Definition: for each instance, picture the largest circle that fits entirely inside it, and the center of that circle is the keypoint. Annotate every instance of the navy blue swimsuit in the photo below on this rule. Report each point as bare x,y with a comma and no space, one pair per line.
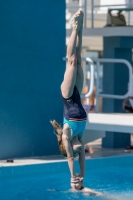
73,109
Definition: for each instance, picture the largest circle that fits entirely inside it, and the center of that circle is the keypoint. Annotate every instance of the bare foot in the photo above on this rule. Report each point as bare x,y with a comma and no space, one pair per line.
76,21
82,17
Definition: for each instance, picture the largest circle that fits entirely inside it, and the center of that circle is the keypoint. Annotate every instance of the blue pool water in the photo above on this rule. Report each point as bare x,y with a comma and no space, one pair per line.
111,176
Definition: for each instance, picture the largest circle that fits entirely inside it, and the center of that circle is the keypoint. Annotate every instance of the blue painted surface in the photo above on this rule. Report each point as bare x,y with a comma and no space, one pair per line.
32,44
115,81
112,176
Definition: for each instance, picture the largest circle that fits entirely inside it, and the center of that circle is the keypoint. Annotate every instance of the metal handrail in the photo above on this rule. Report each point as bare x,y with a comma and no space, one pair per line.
105,60
96,6
91,76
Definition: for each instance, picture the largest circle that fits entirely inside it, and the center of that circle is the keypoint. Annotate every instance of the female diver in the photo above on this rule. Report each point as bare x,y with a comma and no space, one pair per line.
70,137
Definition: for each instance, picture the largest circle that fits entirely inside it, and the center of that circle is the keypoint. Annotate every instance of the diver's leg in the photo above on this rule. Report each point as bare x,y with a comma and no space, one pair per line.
80,74
71,69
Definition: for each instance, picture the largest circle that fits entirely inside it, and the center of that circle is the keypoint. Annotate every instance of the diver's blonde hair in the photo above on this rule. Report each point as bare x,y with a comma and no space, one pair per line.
59,133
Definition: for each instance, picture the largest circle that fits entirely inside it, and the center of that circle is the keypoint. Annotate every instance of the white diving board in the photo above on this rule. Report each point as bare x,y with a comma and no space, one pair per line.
98,123
116,122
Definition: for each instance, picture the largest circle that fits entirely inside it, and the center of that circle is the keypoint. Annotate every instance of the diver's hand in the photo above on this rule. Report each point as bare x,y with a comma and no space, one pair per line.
80,177
75,180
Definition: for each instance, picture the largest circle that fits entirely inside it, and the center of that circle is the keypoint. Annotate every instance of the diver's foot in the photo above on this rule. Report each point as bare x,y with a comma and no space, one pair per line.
76,21
82,19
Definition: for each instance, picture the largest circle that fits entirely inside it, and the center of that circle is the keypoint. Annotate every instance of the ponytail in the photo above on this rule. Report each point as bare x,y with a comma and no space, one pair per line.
59,133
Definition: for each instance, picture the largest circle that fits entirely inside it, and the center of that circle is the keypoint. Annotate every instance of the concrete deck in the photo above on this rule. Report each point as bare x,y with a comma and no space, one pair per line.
96,145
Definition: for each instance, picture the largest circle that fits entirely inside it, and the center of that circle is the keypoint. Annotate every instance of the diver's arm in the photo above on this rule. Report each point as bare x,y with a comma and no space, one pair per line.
70,157
82,159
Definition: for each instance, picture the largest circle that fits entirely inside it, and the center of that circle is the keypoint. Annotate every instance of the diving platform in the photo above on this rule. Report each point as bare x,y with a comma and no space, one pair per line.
106,31
98,123
115,122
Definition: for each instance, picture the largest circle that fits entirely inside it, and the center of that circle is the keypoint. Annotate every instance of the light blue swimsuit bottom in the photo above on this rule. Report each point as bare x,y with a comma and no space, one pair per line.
77,127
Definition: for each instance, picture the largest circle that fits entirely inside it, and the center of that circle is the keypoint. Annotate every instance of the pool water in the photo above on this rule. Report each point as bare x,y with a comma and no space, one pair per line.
114,181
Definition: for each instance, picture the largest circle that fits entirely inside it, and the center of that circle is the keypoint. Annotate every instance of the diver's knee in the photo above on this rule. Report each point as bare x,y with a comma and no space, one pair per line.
72,60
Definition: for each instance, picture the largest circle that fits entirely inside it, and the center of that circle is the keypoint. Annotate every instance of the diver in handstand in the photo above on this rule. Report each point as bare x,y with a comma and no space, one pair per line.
70,137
